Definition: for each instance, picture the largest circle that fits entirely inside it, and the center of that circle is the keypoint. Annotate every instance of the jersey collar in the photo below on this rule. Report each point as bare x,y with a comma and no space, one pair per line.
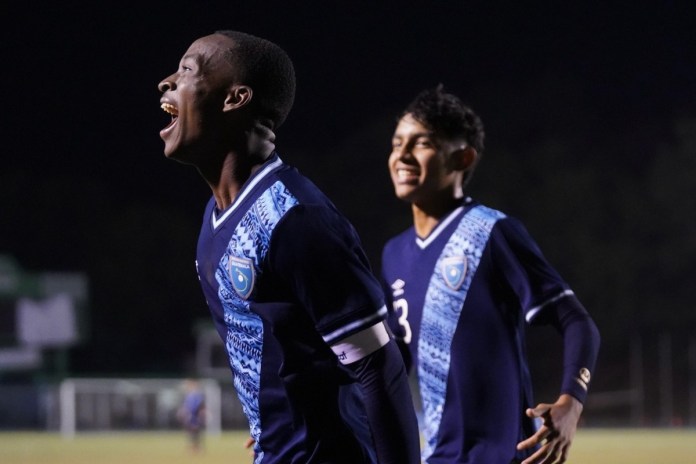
424,242
268,167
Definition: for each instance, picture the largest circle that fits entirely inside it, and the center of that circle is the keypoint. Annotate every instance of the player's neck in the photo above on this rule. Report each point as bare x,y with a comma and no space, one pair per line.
248,152
229,176
426,216
229,181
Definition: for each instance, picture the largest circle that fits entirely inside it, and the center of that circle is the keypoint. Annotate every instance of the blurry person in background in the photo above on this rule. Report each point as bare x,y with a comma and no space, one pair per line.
192,414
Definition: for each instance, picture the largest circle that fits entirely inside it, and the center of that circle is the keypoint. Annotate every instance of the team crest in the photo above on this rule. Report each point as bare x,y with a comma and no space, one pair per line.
453,270
241,272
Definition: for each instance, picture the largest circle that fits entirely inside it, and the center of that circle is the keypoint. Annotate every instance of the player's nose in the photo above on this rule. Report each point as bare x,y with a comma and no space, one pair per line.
167,84
402,152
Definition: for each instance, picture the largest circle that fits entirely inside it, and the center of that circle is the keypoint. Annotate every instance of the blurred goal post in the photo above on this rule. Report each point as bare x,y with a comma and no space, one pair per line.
129,404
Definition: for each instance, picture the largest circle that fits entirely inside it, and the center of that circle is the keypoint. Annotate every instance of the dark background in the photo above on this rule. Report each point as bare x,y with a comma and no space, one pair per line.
590,115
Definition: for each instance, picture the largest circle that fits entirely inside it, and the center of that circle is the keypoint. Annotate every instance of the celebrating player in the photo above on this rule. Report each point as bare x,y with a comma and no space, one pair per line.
283,272
462,283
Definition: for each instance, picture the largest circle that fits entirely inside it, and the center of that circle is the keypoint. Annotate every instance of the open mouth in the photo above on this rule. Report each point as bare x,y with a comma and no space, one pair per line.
172,110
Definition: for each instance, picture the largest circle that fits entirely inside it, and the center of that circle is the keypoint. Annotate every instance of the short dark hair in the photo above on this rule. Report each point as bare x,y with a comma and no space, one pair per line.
446,115
268,70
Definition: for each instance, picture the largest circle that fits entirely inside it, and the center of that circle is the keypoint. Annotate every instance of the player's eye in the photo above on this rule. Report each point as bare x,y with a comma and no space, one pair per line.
186,65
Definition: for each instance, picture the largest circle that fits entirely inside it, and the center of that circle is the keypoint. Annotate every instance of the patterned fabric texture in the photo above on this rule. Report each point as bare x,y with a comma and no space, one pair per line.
444,300
244,341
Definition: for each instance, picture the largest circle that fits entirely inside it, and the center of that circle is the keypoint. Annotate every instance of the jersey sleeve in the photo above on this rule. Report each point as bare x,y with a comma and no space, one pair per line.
387,399
546,299
317,252
536,284
581,340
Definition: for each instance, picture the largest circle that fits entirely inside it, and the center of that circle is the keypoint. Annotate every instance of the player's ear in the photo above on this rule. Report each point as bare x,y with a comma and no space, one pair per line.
463,159
237,97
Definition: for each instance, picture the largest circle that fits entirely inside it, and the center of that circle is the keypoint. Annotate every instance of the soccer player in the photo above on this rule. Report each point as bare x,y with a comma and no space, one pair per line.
461,285
192,413
287,283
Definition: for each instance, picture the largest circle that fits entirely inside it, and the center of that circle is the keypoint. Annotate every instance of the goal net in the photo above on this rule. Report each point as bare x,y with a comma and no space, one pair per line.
131,404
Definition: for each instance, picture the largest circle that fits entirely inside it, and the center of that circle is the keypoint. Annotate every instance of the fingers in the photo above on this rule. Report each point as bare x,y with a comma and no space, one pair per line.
543,434
541,410
537,457
545,431
551,452
530,442
553,448
249,444
554,436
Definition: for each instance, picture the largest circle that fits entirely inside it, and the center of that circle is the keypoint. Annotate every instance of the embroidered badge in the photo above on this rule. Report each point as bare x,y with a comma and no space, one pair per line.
453,270
241,271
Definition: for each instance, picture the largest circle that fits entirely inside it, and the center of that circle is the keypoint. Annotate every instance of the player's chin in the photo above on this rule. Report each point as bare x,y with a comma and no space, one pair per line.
170,145
404,193
407,197
174,155
176,147
178,154
168,152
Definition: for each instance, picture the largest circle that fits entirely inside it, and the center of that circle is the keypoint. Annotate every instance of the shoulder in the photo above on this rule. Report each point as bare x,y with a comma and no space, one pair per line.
500,221
315,229
302,187
513,229
508,234
315,218
484,213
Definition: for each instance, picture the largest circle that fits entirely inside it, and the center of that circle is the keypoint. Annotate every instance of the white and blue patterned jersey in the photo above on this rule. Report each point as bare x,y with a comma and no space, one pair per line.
459,300
285,276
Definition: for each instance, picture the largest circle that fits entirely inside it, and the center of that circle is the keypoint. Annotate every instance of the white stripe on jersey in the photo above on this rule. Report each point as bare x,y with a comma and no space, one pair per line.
361,344
257,178
422,244
336,334
531,314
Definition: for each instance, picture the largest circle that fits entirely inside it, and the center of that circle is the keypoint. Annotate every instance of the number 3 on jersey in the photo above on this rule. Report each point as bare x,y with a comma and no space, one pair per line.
401,309
400,306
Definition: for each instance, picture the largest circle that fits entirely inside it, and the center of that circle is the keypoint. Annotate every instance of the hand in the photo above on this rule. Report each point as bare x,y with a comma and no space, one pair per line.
249,444
557,432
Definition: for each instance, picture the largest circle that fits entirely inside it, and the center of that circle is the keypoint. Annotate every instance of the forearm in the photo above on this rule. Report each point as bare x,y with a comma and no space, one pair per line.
580,348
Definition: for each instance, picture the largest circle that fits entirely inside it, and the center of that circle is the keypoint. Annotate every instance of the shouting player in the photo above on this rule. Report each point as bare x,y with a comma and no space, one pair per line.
462,284
288,285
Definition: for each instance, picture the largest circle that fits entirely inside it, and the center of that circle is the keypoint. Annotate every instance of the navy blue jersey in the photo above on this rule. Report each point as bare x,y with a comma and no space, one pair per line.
194,404
460,299
285,276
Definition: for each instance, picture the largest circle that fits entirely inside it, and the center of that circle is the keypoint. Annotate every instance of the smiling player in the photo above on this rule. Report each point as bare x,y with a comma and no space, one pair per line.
461,284
283,272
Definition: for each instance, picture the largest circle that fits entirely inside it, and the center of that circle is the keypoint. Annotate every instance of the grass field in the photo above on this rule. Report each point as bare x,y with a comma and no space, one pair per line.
592,446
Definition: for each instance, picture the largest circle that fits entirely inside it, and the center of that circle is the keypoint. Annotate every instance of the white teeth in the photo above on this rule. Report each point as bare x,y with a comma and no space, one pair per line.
405,173
169,108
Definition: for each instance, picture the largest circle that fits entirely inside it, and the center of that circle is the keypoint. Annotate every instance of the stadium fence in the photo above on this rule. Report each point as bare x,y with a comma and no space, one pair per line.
98,404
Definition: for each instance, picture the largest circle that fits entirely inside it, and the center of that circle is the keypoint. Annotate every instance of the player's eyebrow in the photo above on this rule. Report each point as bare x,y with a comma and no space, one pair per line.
418,135
195,57
413,135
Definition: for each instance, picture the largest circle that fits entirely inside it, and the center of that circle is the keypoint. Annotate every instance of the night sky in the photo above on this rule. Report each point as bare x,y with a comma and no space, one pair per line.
570,87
